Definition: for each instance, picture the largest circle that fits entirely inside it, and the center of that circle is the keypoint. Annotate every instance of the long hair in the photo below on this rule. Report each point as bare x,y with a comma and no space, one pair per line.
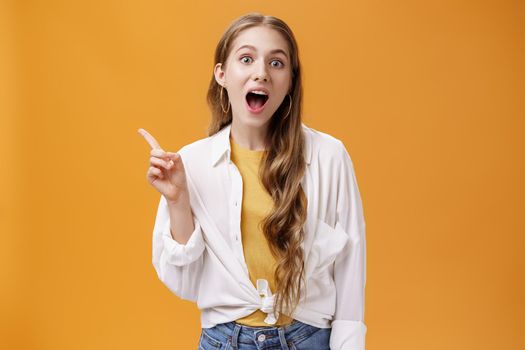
282,165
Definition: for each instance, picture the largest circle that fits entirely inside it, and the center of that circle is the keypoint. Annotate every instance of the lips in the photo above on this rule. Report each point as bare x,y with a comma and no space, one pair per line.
256,99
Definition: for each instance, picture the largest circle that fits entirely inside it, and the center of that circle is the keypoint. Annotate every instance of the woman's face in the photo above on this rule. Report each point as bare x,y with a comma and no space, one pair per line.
259,60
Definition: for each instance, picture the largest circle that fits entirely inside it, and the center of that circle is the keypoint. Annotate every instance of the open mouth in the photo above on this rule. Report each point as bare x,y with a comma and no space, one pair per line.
256,101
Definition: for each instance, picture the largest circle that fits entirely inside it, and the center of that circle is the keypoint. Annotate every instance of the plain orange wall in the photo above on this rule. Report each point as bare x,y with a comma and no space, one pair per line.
428,97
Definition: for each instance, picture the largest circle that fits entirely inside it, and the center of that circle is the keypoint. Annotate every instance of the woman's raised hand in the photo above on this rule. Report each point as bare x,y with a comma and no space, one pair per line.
166,172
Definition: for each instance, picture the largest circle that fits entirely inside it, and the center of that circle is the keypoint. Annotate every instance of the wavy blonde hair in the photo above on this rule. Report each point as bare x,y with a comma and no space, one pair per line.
282,166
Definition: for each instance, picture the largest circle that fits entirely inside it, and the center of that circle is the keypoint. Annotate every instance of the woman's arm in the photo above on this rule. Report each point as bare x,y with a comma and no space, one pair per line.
178,244
181,218
348,327
178,266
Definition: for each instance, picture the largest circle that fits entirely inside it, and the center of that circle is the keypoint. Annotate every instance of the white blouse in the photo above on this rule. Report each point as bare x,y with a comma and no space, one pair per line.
210,268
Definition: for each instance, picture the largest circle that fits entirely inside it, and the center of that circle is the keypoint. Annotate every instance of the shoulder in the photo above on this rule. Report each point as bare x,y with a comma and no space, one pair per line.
204,147
322,139
326,148
197,155
196,148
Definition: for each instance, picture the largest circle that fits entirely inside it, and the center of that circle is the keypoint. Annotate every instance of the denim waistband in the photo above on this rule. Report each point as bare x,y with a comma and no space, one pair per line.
270,336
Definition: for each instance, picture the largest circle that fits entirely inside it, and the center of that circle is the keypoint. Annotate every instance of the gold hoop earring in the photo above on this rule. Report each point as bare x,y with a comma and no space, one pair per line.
289,108
220,101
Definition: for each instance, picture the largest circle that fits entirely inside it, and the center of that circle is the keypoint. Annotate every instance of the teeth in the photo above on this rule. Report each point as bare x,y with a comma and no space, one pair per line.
258,92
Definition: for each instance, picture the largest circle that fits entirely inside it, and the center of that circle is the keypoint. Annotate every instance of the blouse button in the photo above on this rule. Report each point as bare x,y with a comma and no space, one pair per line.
261,337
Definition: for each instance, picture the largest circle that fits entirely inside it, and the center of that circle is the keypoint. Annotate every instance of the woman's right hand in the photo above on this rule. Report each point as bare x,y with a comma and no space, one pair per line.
166,172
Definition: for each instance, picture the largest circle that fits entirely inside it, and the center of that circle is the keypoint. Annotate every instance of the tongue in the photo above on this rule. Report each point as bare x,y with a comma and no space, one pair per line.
255,101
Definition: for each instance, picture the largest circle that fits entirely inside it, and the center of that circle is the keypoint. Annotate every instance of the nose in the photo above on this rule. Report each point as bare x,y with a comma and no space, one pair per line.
260,72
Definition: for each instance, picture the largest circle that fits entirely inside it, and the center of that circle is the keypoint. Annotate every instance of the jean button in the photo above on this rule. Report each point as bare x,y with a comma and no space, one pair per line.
261,337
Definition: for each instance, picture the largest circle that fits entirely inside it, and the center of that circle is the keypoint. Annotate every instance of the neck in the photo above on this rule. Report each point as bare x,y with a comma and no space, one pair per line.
252,138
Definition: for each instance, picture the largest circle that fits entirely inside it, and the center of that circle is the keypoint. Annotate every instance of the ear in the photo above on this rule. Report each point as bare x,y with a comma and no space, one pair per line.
219,75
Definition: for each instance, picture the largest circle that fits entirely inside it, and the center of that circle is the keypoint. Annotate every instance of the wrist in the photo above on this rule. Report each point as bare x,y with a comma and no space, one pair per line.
182,199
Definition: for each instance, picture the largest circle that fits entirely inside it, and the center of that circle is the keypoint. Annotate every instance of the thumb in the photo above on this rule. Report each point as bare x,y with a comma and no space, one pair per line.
175,159
173,156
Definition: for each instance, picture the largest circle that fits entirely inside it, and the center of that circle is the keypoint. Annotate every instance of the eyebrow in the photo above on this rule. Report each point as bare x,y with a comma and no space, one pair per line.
254,49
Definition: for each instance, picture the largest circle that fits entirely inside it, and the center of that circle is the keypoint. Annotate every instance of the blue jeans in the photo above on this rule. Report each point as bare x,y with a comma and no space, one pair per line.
295,336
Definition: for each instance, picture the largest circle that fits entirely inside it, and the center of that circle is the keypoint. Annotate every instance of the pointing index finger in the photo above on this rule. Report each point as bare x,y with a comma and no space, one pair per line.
150,139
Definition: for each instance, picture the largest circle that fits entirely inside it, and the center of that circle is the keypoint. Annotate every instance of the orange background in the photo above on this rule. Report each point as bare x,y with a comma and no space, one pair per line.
428,97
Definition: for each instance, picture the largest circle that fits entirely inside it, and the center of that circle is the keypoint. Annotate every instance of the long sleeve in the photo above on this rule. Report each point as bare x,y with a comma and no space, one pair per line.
178,265
348,327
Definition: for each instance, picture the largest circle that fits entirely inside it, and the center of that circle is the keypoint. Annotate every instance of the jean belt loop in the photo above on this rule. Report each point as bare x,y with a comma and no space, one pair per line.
282,338
235,335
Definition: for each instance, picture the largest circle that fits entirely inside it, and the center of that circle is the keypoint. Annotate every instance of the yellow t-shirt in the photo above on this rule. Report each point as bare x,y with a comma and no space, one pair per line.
256,204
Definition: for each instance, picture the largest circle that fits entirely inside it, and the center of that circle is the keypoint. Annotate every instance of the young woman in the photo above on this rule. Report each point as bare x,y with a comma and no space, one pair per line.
261,223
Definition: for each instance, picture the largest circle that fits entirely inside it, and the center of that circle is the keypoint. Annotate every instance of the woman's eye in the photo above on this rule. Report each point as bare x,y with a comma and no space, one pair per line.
279,63
245,57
